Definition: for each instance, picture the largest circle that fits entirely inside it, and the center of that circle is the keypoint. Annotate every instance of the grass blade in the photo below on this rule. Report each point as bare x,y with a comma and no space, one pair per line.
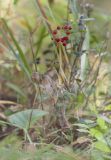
21,54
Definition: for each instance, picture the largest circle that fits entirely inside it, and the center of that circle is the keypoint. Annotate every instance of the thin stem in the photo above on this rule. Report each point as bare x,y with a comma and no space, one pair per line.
32,51
27,136
44,15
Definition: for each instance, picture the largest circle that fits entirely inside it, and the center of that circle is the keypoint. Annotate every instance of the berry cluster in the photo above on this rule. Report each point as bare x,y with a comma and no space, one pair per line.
57,34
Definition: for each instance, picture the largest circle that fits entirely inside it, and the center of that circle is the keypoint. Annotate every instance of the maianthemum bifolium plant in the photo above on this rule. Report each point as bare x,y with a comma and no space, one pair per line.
75,126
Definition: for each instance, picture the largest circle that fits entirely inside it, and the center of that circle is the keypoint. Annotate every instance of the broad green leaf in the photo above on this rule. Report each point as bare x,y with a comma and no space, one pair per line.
101,123
102,146
97,134
21,119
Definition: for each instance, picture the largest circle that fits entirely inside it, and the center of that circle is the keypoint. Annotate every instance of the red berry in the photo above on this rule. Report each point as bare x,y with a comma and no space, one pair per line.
57,40
68,33
54,32
58,27
70,27
65,38
64,44
65,27
62,39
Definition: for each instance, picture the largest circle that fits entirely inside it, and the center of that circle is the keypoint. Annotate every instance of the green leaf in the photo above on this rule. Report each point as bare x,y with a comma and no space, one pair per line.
21,119
97,134
102,146
101,123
